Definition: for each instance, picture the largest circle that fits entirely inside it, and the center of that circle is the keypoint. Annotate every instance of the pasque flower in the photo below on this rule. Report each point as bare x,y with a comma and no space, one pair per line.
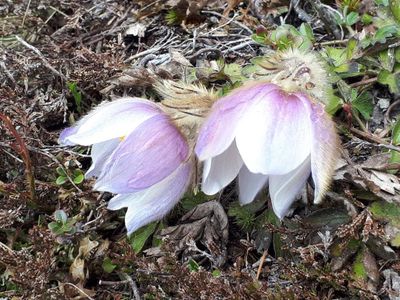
138,153
270,132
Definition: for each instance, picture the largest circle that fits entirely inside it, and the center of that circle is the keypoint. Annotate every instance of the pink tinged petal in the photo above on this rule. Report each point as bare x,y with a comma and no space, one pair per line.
155,202
65,134
250,185
148,155
274,136
325,151
219,130
100,153
220,170
110,120
283,189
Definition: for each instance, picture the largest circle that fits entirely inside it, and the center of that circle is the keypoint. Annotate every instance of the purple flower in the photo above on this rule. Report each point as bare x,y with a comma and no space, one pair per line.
138,153
264,135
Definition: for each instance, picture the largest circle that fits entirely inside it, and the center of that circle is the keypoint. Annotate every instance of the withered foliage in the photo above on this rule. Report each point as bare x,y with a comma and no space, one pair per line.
57,240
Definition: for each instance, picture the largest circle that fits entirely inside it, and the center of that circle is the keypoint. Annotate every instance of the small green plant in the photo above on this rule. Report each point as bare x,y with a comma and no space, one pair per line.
244,216
108,265
62,224
171,17
193,265
77,176
139,238
287,36
73,88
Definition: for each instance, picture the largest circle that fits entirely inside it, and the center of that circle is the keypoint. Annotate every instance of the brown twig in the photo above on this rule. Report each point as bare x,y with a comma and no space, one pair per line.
262,260
364,82
373,138
23,151
385,167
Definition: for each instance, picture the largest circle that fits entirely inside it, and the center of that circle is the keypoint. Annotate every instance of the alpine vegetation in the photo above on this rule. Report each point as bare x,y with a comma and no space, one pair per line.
273,131
139,154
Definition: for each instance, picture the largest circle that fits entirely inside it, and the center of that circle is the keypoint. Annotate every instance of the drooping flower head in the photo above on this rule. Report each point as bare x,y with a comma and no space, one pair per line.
270,132
138,153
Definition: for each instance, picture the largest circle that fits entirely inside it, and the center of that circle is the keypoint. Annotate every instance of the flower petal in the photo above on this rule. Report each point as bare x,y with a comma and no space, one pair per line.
283,189
324,152
274,136
249,185
110,120
65,134
149,154
219,130
155,202
220,170
100,153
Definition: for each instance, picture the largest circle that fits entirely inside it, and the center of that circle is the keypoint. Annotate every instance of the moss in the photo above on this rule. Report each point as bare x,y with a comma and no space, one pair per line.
389,212
359,271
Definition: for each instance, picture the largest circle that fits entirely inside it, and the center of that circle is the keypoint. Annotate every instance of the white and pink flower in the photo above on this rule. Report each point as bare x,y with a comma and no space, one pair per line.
138,153
266,136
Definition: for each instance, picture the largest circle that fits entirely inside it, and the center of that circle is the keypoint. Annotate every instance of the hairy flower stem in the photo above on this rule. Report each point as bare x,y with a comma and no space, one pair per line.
23,151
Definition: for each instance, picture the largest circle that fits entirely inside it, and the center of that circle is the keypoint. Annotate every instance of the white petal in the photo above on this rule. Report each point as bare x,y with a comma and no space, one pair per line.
274,136
250,184
100,153
283,189
123,200
221,170
155,202
219,129
110,120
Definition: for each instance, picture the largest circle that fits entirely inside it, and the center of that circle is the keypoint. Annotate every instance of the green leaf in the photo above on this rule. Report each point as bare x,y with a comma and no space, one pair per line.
337,56
193,265
78,179
234,72
335,103
60,216
396,133
387,59
55,228
395,9
108,266
68,227
359,271
191,201
390,79
383,33
352,18
382,2
306,30
397,54
138,239
394,158
261,38
351,48
76,94
363,103
78,176
60,171
61,180
216,273
366,19
395,155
